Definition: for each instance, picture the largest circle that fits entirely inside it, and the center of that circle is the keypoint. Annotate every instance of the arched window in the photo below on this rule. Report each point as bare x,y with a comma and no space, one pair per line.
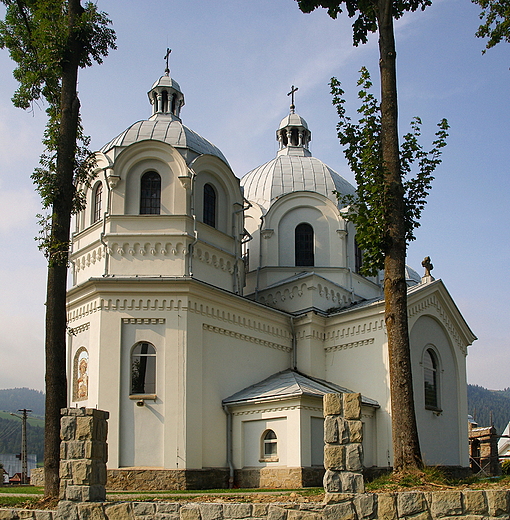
209,205
269,446
430,369
150,194
143,369
304,245
98,199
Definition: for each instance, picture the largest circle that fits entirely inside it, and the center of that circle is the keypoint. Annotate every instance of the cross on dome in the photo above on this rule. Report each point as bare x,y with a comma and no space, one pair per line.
291,93
167,55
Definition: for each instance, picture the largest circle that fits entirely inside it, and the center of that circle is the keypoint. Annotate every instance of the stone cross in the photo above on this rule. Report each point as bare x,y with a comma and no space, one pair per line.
428,266
291,93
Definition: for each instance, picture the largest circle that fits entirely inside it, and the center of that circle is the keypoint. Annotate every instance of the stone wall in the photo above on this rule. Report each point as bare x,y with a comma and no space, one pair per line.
83,454
447,505
343,452
278,478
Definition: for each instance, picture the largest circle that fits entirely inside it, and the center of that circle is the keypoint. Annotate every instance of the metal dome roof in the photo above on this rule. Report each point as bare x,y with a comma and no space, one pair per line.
167,130
288,173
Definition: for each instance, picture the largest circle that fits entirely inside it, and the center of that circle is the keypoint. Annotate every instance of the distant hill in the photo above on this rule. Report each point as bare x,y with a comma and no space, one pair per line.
14,399
482,403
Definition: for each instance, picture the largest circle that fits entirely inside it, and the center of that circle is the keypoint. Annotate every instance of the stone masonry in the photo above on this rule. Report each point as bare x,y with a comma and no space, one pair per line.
83,454
412,505
343,453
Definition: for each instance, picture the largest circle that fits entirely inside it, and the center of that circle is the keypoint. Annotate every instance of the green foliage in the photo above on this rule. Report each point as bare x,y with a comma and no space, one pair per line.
495,16
10,437
485,404
505,467
37,35
365,10
368,209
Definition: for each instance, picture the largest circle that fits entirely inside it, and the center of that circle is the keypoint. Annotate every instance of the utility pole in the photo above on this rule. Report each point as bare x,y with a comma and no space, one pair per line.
24,465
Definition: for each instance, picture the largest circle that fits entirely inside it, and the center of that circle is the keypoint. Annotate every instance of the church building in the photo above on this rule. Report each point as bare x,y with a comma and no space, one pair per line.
209,315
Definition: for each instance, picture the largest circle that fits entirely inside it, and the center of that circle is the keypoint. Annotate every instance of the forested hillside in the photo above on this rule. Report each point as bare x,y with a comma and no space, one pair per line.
14,399
10,438
483,402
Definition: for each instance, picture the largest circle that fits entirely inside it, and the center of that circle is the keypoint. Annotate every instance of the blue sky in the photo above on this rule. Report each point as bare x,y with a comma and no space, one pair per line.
235,61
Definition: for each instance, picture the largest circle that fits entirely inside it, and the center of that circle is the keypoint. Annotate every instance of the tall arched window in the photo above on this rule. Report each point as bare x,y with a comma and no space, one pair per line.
304,245
430,369
150,194
358,257
143,369
98,199
209,205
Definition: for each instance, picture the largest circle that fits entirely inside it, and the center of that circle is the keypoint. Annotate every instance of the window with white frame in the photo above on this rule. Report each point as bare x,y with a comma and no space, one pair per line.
269,447
98,199
430,379
143,369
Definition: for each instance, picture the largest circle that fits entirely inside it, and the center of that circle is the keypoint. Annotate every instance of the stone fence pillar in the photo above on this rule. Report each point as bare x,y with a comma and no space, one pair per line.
343,454
83,454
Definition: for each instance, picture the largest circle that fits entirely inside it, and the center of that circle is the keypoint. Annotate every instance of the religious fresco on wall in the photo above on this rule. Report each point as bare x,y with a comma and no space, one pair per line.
81,375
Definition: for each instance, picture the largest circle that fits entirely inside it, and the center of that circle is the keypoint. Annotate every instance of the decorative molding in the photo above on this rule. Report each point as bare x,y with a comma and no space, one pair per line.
433,302
342,233
353,344
90,258
144,321
224,262
239,320
136,249
245,337
79,329
141,304
279,409
267,233
349,331
185,182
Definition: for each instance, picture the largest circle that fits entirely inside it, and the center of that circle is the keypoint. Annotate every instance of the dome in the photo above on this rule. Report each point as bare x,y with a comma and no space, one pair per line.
168,131
165,124
289,173
293,169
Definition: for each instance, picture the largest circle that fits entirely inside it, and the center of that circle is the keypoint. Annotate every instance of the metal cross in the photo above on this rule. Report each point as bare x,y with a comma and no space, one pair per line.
291,93
168,51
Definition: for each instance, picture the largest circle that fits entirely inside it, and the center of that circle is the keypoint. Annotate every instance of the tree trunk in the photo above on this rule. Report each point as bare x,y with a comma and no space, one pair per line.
406,446
56,322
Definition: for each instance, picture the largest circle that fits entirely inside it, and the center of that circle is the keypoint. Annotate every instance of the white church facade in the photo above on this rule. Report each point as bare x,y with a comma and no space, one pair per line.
209,315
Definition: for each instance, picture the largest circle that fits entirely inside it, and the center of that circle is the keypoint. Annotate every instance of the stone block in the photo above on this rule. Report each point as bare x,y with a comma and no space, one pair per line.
100,430
497,500
167,507
75,450
355,431
67,428
276,513
410,503
386,506
24,514
143,508
43,515
81,471
342,511
87,511
63,450
259,510
294,514
7,514
94,493
121,511
352,406
331,430
65,470
211,511
190,512
446,503
84,428
475,502
354,457
365,505
331,482
236,510
352,482
332,404
166,516
334,457
66,511
73,493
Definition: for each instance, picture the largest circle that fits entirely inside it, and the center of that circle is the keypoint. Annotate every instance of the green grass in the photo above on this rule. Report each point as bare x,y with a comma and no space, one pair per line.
7,501
25,490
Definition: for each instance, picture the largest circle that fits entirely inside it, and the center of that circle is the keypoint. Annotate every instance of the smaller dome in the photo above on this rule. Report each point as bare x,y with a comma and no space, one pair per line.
168,82
293,120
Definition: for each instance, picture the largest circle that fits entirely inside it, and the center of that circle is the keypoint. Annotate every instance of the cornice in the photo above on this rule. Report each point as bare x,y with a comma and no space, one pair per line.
79,329
352,344
245,337
279,409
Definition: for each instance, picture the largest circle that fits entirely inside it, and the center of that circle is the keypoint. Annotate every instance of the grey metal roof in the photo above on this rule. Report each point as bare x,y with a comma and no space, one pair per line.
289,173
288,384
168,130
